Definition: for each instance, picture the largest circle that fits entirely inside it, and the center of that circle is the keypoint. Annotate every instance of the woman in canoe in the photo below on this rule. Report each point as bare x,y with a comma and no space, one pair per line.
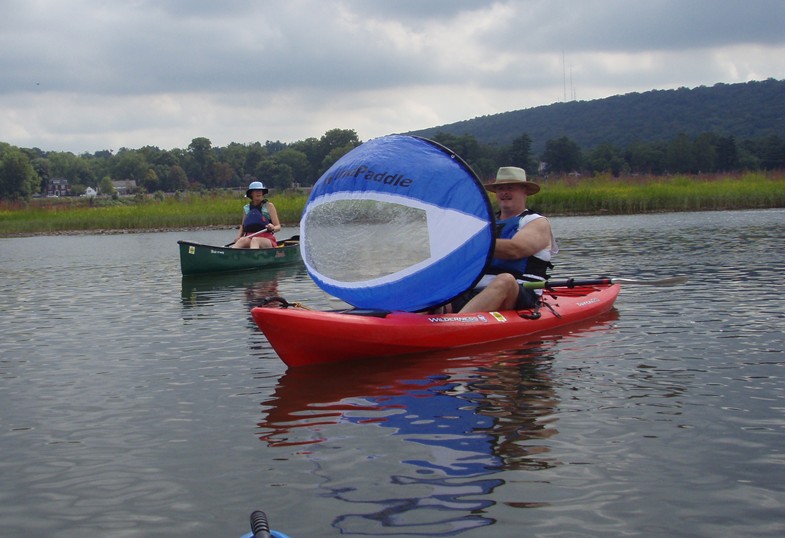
260,220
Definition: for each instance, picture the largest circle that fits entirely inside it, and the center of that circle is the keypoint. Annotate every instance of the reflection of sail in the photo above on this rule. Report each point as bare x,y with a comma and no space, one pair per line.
457,398
398,223
455,423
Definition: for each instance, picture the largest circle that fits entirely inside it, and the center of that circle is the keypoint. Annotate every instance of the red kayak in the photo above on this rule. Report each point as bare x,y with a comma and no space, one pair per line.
302,337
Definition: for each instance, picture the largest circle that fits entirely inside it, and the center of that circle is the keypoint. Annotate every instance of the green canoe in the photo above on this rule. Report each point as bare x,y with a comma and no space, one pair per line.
196,258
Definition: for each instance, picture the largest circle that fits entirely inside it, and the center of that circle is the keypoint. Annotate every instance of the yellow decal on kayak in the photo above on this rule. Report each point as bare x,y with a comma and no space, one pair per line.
191,249
498,316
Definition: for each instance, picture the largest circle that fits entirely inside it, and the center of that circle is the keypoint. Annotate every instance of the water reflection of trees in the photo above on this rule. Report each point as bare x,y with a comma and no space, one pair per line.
208,289
473,418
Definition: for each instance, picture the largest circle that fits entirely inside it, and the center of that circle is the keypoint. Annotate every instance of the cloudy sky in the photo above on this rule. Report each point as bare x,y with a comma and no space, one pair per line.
88,75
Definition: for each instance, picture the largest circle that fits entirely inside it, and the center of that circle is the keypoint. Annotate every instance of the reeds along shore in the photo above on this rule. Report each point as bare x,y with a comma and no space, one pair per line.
603,195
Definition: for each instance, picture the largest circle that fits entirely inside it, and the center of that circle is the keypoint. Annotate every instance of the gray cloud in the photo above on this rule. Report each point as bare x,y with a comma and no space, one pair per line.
88,75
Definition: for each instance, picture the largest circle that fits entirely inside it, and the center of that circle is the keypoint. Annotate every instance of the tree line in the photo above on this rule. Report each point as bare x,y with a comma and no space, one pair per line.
745,110
26,172
705,153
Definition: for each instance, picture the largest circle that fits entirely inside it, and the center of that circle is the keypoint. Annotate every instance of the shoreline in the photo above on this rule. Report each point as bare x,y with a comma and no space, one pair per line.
599,196
232,229
112,231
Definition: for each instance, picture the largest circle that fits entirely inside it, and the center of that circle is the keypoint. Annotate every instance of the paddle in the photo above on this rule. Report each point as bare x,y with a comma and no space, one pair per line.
572,282
292,238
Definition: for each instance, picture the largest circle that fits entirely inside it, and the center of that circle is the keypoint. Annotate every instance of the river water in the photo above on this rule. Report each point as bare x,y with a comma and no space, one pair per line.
136,403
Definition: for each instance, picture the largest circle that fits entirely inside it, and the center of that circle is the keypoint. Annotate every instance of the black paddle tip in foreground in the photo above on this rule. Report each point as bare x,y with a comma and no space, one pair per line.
260,528
259,525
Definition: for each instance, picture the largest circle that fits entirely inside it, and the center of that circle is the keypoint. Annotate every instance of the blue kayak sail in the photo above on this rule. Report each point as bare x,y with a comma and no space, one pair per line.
398,223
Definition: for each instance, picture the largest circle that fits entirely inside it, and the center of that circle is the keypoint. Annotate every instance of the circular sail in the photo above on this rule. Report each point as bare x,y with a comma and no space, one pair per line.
398,223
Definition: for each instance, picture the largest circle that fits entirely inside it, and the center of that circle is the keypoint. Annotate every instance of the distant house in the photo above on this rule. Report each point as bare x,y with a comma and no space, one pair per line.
124,186
57,186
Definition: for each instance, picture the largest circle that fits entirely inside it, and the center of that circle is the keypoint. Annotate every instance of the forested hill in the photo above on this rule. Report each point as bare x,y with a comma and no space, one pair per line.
746,110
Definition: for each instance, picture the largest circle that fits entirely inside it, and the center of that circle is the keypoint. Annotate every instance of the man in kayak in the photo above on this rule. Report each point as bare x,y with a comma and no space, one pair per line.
524,247
260,220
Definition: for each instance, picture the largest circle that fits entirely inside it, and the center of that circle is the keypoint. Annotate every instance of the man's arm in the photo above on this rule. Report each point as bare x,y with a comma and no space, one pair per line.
530,239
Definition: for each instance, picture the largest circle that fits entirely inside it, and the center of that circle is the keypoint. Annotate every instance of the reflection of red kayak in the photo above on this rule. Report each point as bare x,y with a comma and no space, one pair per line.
302,337
302,399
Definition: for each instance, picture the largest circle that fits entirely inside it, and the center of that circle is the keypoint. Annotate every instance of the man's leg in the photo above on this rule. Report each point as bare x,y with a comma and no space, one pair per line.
501,294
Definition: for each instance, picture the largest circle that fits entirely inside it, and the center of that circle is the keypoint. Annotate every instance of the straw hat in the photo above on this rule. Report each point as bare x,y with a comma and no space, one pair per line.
512,175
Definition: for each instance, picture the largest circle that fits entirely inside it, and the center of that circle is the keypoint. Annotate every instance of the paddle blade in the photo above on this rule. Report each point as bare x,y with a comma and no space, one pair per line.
662,282
398,223
602,281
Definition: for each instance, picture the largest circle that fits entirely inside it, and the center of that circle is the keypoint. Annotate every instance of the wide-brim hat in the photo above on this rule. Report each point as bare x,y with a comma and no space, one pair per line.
256,186
512,175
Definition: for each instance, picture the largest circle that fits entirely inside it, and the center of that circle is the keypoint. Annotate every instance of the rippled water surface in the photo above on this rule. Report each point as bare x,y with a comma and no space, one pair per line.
137,403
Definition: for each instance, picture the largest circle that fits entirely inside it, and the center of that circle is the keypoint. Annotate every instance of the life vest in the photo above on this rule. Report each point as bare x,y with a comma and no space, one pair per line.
532,268
256,218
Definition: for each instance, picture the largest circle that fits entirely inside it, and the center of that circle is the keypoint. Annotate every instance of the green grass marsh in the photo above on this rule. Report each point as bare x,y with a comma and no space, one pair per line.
603,195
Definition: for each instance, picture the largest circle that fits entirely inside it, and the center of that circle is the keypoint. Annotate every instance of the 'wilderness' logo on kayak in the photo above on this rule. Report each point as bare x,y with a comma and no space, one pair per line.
458,319
394,179
588,302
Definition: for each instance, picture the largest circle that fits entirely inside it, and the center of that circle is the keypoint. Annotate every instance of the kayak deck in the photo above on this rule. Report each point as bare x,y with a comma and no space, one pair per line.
302,337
